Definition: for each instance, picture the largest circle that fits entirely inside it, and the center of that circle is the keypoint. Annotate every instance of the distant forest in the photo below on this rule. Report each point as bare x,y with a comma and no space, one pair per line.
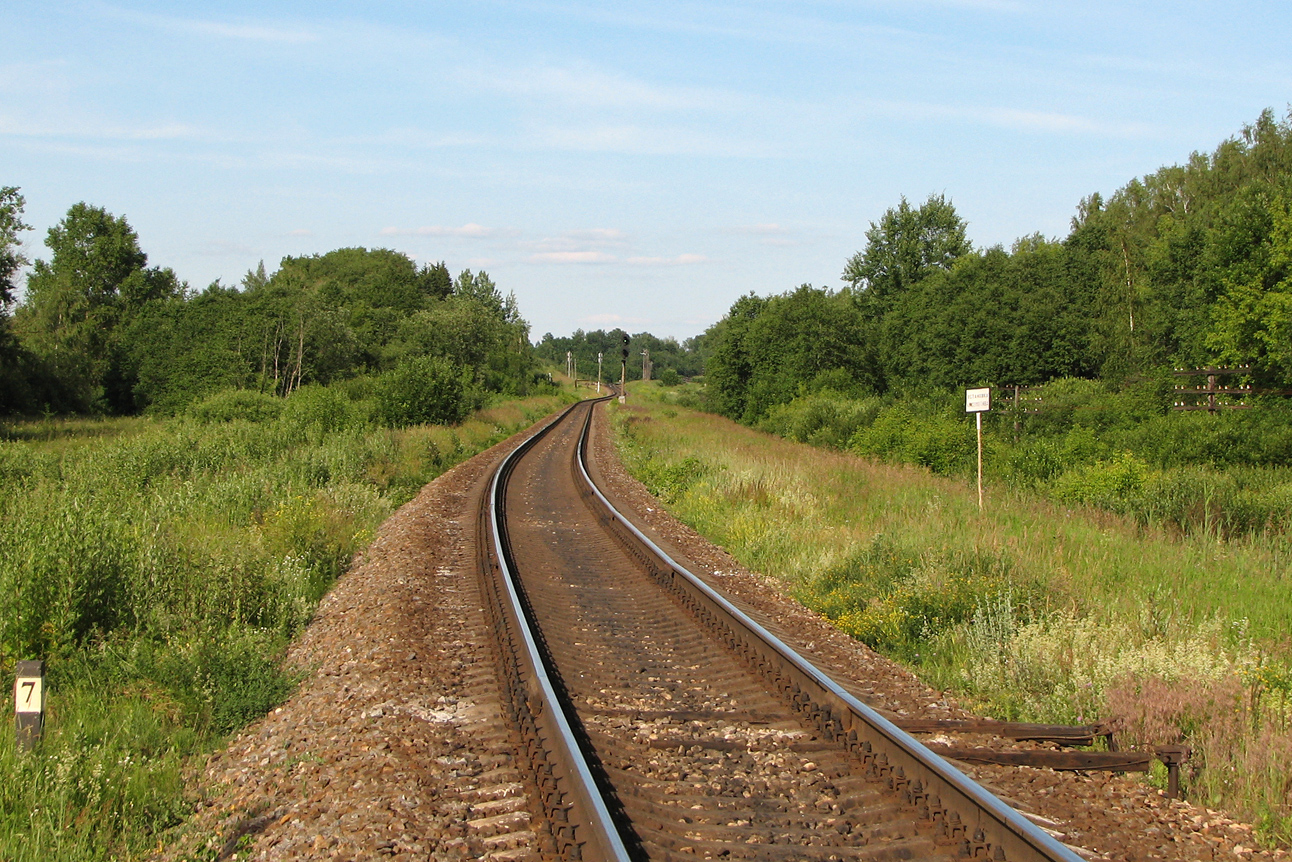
1189,266
99,331
684,360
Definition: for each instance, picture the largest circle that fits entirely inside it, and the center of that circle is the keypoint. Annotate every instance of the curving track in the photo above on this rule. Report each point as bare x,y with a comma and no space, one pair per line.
661,723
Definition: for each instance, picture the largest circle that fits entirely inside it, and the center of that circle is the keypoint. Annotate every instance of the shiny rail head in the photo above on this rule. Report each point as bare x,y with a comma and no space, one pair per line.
605,841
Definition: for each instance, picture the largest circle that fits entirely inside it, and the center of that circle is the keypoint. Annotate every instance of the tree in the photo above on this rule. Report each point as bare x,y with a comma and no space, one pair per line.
14,386
435,281
767,351
96,279
905,246
11,256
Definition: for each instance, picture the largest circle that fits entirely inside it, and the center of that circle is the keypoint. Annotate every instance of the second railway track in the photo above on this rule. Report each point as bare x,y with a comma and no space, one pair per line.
660,722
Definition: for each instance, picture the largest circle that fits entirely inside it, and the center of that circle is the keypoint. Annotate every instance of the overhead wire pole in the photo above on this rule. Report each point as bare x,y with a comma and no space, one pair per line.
598,373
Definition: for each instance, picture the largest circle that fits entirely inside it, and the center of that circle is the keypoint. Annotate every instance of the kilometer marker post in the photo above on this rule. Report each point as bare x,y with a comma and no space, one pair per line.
978,401
29,703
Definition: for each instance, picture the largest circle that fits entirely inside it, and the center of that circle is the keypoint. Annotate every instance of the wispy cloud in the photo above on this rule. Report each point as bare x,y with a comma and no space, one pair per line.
19,127
680,260
239,30
579,240
470,230
631,138
1015,119
587,87
572,257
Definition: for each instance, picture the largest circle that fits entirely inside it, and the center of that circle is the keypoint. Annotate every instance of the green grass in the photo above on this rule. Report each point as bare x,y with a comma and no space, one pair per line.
1031,609
161,568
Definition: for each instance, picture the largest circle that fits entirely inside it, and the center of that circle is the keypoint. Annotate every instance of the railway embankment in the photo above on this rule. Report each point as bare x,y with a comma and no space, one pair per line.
394,745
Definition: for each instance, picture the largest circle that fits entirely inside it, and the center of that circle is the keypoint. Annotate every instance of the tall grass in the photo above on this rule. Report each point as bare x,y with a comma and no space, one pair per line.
161,568
1031,609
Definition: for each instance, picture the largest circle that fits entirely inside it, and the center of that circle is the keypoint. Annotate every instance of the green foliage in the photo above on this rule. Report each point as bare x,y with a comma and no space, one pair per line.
99,331
424,390
822,419
768,351
11,256
941,441
77,303
229,405
904,247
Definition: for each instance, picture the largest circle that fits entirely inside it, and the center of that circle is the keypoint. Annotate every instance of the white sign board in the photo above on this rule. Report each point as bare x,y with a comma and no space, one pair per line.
977,400
28,694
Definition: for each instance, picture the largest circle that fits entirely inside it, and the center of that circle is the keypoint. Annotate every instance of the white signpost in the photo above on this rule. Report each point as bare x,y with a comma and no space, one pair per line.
978,402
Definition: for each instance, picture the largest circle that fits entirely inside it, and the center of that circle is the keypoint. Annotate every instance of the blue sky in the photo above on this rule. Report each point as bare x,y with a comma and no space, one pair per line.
635,165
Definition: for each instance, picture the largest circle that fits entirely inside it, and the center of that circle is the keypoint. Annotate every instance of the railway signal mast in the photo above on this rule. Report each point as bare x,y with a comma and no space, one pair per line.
623,372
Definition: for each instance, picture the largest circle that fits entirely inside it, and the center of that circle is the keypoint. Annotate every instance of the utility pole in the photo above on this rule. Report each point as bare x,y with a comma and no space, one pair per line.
598,373
569,363
646,369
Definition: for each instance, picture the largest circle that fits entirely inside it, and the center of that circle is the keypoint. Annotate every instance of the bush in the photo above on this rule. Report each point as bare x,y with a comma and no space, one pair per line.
425,390
943,443
669,377
313,412
822,419
230,404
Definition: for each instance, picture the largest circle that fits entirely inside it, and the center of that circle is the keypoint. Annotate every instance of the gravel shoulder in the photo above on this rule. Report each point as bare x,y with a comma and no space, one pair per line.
394,745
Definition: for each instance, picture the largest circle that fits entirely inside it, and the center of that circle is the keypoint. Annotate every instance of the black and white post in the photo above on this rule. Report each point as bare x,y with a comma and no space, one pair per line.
978,402
29,703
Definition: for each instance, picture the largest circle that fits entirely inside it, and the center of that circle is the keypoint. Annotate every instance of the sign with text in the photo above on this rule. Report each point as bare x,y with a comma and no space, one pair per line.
977,400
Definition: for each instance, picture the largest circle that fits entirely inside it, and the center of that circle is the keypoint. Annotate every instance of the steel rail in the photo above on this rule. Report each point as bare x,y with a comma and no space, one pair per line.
971,815
573,796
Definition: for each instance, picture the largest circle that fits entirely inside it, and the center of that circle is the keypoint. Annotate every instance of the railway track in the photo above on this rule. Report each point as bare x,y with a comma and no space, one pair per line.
661,722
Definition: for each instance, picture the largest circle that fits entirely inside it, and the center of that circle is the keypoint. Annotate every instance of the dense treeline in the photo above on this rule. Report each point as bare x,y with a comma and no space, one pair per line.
1187,266
100,331
666,354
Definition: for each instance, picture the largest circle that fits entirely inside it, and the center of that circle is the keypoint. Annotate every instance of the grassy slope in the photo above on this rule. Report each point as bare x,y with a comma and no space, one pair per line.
1032,609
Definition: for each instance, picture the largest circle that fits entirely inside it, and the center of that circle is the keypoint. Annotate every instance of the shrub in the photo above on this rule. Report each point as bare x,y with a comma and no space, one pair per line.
823,419
424,390
313,412
669,377
943,443
230,404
